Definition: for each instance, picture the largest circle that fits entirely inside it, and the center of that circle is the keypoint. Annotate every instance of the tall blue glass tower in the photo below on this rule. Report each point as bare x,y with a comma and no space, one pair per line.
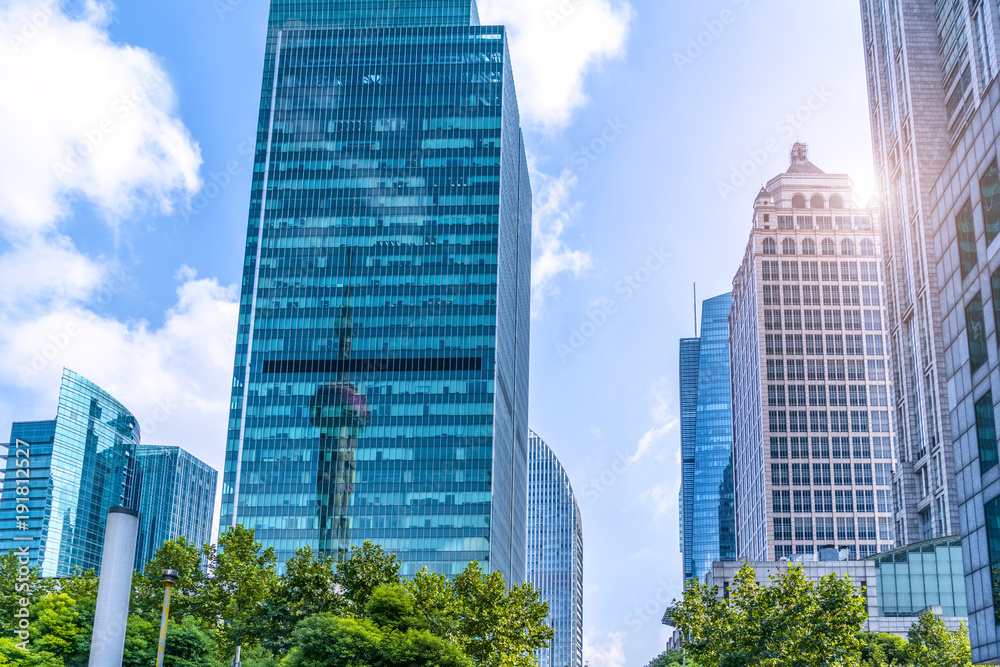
73,469
555,553
708,520
178,499
381,376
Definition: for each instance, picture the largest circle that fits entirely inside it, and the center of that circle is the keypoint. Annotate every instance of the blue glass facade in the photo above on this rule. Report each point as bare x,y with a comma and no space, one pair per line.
707,508
690,358
177,500
921,575
78,467
381,376
555,553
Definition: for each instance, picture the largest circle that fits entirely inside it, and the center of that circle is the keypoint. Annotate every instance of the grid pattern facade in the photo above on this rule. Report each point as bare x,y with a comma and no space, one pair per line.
929,66
707,509
690,358
177,500
967,217
81,465
381,378
812,442
555,553
933,95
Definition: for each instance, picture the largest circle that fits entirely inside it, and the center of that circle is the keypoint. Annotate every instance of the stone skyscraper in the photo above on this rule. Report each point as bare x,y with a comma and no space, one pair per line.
812,439
933,92
381,378
707,513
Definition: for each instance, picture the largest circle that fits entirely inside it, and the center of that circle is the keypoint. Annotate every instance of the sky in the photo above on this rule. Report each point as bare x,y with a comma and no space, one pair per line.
126,137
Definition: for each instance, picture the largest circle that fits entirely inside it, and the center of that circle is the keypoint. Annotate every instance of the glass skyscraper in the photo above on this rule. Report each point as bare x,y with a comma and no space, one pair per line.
79,465
707,510
381,375
555,553
178,499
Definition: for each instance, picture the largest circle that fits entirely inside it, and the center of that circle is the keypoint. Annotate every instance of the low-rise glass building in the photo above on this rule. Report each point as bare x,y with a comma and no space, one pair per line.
927,574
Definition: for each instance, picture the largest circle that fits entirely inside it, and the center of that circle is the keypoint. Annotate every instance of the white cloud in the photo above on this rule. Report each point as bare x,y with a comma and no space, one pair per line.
554,45
607,652
551,217
83,117
662,498
175,378
661,413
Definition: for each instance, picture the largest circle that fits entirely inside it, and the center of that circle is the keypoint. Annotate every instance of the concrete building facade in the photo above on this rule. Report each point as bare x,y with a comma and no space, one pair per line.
813,454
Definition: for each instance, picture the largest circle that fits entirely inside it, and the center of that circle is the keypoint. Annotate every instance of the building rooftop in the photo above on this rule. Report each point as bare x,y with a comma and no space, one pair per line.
799,161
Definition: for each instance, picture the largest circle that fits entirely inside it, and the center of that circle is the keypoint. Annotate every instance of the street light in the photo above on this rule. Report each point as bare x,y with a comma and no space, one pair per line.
170,577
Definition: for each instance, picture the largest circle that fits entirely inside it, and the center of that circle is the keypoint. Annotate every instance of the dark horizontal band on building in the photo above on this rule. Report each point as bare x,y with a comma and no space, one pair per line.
437,364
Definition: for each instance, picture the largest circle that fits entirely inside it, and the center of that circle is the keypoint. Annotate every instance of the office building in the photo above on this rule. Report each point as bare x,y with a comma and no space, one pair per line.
812,433
921,91
707,514
178,499
555,553
81,464
381,374
933,95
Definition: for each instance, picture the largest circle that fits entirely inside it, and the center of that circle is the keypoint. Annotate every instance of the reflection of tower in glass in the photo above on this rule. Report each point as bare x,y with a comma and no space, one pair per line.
340,412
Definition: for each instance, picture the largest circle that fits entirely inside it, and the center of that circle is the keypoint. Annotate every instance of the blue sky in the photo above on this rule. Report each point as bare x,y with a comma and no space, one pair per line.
126,129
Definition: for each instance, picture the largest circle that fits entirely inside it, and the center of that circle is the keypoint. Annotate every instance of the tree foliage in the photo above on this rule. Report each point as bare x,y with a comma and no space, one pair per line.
792,622
932,645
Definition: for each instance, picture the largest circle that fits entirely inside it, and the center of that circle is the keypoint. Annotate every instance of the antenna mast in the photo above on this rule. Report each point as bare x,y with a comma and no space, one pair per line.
695,310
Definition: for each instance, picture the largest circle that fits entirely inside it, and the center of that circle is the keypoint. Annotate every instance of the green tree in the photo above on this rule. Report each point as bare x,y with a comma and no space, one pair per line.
141,641
309,586
187,594
12,590
13,656
368,568
499,627
670,658
56,625
792,622
189,645
434,599
881,649
931,644
326,640
82,587
242,576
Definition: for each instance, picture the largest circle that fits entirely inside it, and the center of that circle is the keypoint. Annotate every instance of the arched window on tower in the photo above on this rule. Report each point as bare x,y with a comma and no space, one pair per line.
836,201
798,201
868,248
770,247
788,247
817,202
828,247
808,247
847,247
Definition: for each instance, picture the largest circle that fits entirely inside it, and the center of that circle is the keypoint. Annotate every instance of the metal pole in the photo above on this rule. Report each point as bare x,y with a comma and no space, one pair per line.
169,577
